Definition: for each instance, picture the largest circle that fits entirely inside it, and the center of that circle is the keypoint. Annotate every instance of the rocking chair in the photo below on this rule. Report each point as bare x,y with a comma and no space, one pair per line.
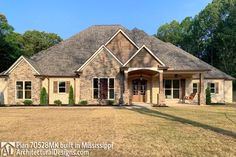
190,97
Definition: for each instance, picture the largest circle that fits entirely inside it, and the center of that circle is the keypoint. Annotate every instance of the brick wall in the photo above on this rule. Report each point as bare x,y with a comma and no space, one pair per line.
121,47
23,72
143,59
103,65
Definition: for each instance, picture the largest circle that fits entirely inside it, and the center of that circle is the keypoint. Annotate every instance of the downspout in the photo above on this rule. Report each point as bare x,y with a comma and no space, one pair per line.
48,90
75,90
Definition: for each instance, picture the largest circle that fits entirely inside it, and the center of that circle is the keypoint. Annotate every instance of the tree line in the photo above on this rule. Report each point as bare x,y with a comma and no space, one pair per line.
13,44
210,35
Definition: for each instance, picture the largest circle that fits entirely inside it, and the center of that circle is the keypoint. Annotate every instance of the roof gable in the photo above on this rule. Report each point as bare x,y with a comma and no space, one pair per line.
94,56
75,51
144,56
121,46
126,36
17,62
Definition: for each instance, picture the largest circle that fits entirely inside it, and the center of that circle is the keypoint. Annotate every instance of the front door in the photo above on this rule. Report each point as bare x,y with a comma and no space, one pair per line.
139,88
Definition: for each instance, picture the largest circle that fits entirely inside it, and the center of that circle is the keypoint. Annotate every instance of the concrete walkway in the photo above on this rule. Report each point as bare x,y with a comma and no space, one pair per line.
169,104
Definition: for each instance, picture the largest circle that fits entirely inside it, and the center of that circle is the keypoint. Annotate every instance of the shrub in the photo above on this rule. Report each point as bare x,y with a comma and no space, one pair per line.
58,102
208,96
110,102
28,102
71,96
43,96
83,102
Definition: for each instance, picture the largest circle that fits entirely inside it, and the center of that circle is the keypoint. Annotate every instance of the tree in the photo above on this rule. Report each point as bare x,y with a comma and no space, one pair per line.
225,42
71,96
10,44
5,28
35,41
43,96
210,35
13,45
208,96
170,32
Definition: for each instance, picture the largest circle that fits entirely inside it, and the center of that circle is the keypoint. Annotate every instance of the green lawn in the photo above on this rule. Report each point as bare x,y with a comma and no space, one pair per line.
171,131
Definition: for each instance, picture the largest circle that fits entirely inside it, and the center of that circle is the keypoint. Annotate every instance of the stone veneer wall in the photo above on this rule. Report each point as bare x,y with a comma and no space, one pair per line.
143,59
103,65
23,72
122,48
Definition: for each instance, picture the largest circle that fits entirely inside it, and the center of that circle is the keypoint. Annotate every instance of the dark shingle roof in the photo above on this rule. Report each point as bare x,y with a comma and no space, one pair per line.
66,57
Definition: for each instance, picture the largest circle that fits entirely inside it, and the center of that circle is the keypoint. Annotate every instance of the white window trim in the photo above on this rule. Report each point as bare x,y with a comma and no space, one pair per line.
214,87
111,88
58,88
197,86
23,89
172,89
95,88
108,81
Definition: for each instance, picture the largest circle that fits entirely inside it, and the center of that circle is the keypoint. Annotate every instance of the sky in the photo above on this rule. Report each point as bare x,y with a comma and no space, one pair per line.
68,17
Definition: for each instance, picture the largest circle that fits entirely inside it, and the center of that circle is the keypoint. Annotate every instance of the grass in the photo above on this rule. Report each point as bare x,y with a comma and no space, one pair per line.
172,131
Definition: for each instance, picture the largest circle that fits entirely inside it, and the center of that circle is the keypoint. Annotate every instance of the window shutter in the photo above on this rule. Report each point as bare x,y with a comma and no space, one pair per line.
217,88
67,86
55,87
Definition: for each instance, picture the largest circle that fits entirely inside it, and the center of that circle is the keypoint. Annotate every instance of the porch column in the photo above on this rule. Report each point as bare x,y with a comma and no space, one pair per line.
201,93
126,89
161,98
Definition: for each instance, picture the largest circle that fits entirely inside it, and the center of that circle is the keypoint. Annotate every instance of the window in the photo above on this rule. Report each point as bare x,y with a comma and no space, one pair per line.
168,90
195,87
23,90
214,87
27,90
62,87
104,88
176,89
111,88
19,89
95,88
172,89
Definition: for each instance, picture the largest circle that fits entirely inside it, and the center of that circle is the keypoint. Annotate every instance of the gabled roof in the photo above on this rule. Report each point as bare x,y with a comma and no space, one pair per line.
95,54
122,32
17,62
69,55
149,51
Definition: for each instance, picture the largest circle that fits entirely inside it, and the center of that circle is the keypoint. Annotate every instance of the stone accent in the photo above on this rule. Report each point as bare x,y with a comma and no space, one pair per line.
121,47
143,59
161,98
155,89
23,72
201,91
104,65
127,95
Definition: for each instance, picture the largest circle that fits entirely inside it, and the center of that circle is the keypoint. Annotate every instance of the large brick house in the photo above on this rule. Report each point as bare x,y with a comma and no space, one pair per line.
112,62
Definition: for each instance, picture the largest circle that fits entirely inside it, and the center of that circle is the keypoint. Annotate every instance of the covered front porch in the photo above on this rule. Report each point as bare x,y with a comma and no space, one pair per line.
158,86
